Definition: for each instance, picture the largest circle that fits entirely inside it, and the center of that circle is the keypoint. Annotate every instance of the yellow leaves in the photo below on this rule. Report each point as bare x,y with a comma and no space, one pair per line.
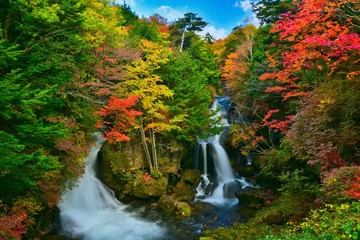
145,83
325,102
155,53
101,24
48,14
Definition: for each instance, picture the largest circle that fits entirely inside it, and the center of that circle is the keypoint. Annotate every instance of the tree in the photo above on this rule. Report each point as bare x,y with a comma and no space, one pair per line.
269,11
325,48
143,82
189,23
209,38
117,118
47,51
192,96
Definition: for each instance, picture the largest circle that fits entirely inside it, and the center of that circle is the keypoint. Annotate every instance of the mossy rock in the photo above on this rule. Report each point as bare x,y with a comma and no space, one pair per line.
124,156
167,203
117,164
191,176
172,206
184,192
251,197
153,188
182,209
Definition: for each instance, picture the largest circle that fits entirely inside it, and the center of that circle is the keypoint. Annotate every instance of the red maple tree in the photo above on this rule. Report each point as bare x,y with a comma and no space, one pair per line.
117,117
317,43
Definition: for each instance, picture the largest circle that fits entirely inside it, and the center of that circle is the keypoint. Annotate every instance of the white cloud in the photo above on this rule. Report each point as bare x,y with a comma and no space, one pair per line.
169,13
131,3
216,33
252,20
245,5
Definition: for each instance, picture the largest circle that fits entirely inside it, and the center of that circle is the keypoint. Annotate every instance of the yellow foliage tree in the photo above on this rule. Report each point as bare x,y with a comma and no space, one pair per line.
142,81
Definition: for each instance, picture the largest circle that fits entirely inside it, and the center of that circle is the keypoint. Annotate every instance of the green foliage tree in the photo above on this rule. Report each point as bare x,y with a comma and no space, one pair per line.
187,24
144,30
202,56
269,11
191,97
47,53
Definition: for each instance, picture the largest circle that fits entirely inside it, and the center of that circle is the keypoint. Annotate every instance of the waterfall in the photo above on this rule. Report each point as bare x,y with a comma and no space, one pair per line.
218,183
91,211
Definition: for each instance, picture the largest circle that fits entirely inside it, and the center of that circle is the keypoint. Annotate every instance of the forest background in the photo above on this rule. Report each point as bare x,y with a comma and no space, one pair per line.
68,68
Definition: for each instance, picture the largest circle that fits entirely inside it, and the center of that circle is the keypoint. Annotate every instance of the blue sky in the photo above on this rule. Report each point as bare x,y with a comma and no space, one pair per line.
221,15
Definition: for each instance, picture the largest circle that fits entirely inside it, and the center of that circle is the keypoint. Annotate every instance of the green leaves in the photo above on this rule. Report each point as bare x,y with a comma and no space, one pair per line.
20,170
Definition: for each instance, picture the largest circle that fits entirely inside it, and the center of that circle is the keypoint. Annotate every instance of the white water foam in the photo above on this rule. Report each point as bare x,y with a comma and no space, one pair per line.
90,210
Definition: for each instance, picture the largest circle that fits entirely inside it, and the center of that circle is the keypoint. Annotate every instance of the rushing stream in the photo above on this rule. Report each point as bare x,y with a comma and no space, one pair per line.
90,210
213,162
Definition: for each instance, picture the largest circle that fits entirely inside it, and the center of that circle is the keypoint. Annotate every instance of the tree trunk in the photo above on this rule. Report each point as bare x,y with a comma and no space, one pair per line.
182,41
153,149
7,20
146,149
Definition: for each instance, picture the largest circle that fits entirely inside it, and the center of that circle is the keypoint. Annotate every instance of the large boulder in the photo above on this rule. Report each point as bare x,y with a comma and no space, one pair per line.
124,156
191,176
117,164
167,203
150,187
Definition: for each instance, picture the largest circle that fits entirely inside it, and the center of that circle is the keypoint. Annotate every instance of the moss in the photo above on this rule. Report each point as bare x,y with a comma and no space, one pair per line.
151,188
183,209
184,192
191,176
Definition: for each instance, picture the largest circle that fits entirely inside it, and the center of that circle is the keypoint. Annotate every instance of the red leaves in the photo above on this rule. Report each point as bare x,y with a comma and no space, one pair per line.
146,178
317,38
354,190
318,45
12,224
117,116
282,126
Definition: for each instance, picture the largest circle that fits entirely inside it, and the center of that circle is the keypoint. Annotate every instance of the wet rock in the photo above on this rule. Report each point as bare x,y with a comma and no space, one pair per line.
251,197
167,203
203,208
183,209
231,188
191,176
153,188
206,187
184,192
172,206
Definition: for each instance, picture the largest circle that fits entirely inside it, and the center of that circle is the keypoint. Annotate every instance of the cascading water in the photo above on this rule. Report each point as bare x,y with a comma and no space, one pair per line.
212,160
91,212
